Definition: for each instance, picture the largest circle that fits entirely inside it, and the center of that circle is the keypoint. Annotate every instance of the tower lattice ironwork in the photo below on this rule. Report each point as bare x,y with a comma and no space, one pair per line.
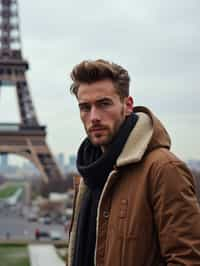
28,137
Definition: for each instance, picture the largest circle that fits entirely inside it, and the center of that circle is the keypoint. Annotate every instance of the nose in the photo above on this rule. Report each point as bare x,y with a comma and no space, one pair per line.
94,114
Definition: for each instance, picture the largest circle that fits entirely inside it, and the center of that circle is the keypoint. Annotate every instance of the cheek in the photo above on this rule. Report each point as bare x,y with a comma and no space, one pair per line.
117,115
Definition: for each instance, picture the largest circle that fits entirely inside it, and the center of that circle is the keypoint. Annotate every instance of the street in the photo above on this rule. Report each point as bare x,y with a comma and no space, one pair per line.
14,226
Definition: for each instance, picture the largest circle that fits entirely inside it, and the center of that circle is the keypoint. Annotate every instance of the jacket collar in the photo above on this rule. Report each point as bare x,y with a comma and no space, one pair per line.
148,134
139,138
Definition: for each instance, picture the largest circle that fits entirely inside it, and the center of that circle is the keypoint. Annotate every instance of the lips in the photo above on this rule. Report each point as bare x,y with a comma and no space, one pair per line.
96,129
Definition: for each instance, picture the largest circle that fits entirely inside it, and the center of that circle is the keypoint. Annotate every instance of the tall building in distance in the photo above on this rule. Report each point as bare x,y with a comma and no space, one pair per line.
4,162
72,163
72,160
61,160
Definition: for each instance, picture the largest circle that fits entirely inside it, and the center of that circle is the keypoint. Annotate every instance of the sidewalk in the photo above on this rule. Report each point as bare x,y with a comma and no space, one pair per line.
41,255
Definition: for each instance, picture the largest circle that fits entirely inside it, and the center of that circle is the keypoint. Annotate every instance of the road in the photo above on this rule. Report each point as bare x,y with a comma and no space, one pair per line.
17,227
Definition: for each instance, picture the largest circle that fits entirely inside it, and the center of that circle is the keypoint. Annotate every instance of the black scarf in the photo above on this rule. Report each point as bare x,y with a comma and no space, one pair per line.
95,166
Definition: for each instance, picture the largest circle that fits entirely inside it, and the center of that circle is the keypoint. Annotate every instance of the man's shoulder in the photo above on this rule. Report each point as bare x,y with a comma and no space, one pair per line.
166,167
157,160
161,157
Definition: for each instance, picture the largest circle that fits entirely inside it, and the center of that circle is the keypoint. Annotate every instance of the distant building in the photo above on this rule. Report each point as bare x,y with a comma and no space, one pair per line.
71,166
72,160
4,162
194,164
2,179
29,167
61,160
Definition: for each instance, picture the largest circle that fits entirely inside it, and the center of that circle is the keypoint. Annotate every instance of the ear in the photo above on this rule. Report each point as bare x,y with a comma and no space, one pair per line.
128,105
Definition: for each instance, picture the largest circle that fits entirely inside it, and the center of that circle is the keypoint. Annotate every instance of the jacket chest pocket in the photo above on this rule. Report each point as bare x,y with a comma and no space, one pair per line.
117,239
122,217
118,220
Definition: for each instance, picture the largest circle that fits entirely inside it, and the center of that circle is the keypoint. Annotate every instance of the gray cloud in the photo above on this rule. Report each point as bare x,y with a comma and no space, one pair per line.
157,41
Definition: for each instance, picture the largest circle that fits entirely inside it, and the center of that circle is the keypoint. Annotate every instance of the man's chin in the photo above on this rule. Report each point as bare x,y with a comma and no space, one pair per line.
98,141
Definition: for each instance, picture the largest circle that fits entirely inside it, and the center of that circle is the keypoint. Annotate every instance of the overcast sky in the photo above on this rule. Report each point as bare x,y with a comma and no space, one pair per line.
157,41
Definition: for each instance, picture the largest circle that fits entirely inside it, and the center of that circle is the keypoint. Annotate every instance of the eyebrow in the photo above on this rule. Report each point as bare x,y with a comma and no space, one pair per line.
97,101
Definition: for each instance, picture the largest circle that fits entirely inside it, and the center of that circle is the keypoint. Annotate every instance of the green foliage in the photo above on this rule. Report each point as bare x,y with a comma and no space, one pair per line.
9,190
12,255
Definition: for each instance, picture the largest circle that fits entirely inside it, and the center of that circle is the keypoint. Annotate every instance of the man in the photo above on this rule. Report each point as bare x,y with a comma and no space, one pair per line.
136,204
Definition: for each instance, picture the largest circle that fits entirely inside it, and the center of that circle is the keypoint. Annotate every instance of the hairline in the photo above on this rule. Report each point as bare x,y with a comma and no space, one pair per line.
117,89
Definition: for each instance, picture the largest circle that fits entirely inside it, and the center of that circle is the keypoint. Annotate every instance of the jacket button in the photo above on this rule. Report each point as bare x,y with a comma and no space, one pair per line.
124,201
106,214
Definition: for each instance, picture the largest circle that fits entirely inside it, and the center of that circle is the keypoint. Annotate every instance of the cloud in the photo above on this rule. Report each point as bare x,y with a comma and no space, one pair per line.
157,41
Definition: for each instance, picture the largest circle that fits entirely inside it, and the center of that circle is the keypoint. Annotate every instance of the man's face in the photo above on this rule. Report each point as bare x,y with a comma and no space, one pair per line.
102,111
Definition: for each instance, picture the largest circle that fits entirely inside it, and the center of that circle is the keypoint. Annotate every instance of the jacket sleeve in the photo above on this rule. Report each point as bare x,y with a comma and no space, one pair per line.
176,214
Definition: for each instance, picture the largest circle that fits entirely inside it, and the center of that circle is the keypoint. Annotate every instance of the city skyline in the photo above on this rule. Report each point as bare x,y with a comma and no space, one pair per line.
159,44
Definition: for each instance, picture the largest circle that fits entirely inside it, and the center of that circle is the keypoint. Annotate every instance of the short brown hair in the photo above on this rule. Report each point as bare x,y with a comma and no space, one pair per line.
91,71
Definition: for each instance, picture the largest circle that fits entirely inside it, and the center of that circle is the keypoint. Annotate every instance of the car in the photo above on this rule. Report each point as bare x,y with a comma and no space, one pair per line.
45,220
55,235
32,217
41,234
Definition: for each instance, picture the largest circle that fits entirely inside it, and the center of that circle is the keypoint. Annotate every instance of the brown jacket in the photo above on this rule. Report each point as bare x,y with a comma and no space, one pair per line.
148,214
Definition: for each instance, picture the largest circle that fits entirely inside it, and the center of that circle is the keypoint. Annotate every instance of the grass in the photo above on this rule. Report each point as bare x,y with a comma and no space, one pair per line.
12,255
8,190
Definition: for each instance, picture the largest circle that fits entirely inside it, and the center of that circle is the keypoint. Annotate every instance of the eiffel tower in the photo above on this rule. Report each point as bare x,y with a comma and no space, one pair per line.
27,138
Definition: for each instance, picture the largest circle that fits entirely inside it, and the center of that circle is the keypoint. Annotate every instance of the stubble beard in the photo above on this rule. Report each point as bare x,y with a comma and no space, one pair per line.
111,132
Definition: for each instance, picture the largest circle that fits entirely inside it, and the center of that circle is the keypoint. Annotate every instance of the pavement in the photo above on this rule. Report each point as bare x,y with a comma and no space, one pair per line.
41,255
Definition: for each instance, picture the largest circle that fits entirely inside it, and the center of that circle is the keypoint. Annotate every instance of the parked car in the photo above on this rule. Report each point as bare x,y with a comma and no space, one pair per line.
32,217
41,234
45,220
55,235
